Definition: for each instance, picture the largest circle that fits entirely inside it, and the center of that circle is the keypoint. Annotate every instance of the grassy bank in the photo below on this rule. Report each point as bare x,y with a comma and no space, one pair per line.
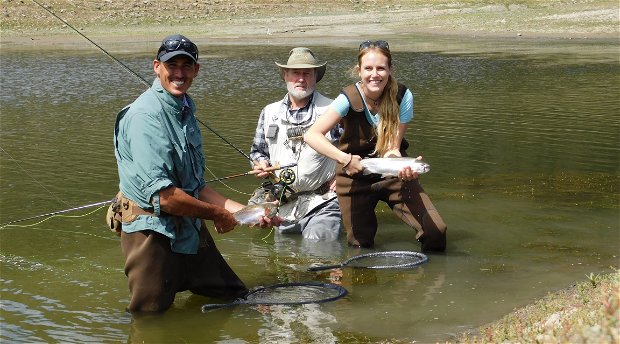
588,312
249,21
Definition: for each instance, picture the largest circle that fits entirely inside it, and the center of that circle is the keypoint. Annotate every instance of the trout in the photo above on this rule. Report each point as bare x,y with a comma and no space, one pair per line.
250,215
390,166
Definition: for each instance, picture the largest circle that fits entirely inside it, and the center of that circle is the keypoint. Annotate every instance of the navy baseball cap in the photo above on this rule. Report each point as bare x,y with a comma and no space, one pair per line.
175,45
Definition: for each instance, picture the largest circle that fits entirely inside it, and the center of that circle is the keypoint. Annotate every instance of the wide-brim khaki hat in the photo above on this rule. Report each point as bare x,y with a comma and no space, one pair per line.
302,58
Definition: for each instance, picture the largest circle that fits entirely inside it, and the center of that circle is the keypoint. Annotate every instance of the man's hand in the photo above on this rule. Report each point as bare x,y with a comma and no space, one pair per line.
224,221
259,168
268,222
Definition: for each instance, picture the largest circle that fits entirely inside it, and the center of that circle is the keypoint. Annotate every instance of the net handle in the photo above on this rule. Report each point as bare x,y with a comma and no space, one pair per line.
210,306
325,267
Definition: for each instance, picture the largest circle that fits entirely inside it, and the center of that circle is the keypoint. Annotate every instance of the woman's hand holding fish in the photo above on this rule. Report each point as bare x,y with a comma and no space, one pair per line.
353,166
408,173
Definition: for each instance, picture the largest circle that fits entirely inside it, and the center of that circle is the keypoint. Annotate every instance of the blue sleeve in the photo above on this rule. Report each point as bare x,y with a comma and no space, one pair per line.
151,152
406,107
341,105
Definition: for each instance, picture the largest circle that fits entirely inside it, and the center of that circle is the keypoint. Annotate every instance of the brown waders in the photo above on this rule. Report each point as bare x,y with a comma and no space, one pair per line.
358,195
156,273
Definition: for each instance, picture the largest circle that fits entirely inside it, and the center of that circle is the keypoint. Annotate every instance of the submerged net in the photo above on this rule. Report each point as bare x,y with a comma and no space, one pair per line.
296,293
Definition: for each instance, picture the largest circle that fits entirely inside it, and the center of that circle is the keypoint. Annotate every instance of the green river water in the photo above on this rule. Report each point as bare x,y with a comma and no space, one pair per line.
525,170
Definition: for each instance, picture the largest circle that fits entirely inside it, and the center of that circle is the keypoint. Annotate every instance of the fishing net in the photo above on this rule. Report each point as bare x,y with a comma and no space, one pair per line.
295,293
380,260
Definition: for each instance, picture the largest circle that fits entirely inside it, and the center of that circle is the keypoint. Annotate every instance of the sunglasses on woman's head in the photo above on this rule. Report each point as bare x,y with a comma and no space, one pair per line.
371,44
176,44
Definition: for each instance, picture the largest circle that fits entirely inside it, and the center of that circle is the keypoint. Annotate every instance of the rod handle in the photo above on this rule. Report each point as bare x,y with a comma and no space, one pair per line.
266,169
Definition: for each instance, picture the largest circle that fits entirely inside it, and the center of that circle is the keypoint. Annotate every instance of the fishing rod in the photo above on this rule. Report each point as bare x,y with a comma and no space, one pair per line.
58,212
146,83
267,169
135,74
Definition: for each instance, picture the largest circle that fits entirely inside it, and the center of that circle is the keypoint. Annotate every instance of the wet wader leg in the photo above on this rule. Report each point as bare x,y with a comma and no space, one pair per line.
209,274
357,205
323,223
150,267
414,207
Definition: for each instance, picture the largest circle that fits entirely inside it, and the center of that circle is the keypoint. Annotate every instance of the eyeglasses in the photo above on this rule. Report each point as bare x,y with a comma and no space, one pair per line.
177,44
371,44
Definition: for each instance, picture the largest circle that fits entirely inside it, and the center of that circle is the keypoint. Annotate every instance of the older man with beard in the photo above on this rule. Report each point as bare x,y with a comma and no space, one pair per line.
309,203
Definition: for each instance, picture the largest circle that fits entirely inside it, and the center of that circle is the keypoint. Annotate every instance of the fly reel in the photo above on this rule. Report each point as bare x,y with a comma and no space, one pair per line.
287,176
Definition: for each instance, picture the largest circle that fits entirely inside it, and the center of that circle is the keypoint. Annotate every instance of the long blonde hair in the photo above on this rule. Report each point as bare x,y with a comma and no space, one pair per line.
389,110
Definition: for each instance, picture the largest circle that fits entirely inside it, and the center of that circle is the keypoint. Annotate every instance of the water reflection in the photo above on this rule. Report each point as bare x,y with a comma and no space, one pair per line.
287,244
302,324
525,170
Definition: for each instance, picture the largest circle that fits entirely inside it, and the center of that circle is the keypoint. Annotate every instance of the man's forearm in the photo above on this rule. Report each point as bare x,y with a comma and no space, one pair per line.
175,201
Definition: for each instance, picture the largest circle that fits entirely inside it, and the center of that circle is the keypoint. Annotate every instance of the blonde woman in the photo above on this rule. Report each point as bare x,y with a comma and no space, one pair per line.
374,113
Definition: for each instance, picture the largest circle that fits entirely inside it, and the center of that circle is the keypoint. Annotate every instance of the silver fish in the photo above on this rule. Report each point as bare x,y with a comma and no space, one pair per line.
251,214
390,166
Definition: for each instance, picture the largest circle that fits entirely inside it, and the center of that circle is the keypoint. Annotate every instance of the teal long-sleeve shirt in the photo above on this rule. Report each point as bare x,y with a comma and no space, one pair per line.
158,144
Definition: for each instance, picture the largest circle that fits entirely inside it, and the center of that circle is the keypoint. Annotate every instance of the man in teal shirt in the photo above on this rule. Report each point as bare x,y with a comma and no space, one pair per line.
158,149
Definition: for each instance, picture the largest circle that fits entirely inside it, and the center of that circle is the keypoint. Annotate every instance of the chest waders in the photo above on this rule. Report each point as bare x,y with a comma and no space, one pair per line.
359,194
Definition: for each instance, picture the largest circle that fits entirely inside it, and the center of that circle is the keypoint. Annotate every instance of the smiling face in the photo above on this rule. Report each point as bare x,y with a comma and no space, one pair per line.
374,70
300,82
176,75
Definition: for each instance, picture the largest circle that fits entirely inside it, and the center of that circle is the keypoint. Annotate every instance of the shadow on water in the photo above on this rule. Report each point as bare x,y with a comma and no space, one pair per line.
524,169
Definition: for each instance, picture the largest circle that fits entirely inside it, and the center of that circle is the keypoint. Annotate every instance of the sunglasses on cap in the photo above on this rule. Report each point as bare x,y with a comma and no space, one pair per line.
178,44
372,44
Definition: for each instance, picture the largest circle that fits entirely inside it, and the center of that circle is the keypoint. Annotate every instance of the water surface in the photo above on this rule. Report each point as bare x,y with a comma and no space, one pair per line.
524,154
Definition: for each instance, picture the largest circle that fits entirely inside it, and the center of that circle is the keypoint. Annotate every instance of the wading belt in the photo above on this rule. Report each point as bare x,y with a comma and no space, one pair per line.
123,210
130,210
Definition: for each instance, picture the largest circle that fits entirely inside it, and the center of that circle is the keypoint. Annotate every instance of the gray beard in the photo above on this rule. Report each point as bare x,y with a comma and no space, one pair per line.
298,95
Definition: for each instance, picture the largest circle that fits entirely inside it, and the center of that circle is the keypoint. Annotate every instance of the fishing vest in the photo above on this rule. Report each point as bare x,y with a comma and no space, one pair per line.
287,146
359,136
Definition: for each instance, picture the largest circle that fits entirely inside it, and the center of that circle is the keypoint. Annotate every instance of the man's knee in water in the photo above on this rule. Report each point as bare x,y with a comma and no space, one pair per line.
151,300
149,305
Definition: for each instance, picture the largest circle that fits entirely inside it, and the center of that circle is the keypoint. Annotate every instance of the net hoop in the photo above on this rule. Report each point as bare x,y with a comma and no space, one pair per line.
422,259
340,292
